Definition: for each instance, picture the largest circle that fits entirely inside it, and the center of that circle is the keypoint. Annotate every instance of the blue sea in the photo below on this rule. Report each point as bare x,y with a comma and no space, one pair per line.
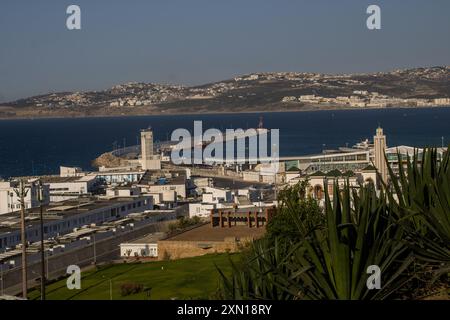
40,146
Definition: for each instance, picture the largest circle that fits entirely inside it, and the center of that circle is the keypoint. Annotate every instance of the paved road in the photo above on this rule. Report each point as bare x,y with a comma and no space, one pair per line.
105,250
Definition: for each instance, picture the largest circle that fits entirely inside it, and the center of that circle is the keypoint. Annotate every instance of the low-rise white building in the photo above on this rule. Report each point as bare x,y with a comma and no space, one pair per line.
70,187
319,182
292,174
123,191
10,201
143,247
124,175
216,195
202,210
442,101
171,185
201,182
62,218
70,171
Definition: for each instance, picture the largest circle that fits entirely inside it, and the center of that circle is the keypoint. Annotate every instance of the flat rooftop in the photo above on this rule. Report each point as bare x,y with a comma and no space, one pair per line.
61,210
150,238
58,179
170,177
207,233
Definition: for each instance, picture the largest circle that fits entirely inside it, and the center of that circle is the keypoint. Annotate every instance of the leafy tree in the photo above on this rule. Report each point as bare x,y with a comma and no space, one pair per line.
297,216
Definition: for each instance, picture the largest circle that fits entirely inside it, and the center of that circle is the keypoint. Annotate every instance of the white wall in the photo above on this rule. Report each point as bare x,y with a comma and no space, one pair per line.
123,192
138,250
180,189
9,204
218,194
291,175
251,176
202,210
70,171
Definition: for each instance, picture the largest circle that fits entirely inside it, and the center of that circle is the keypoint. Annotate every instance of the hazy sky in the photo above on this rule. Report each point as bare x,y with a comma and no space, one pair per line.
198,41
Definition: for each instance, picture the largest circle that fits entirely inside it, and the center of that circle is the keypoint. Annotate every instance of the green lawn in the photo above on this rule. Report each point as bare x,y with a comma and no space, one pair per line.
190,278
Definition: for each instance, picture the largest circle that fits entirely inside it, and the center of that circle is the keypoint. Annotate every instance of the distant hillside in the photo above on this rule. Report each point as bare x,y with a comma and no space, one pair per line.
281,91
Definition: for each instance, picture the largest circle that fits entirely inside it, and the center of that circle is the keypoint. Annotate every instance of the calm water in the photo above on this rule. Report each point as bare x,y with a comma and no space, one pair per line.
41,146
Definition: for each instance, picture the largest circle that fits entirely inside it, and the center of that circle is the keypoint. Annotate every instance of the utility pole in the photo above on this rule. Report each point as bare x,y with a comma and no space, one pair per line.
41,200
110,289
1,278
95,250
21,194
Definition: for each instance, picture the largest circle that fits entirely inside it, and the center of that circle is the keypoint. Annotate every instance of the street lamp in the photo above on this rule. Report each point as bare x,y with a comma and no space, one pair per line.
1,279
46,264
41,200
95,250
21,193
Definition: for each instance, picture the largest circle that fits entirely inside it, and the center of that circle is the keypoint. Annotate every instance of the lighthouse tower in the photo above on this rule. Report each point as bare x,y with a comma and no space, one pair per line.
149,161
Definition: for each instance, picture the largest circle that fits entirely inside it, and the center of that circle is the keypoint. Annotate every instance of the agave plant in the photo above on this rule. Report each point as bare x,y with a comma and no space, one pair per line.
421,194
359,233
331,261
329,258
254,277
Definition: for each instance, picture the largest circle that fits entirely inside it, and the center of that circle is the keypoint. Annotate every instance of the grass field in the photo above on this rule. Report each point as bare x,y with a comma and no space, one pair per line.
190,278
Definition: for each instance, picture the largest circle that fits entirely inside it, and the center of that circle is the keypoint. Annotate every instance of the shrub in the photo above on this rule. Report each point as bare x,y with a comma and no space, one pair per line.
183,223
129,288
